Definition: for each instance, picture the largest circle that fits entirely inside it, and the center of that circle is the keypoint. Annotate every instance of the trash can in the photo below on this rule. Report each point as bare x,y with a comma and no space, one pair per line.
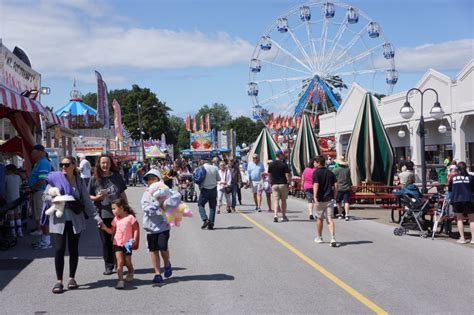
442,175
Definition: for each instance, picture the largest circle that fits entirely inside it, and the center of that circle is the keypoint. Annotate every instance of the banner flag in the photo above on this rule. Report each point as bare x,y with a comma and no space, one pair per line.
201,123
117,119
102,102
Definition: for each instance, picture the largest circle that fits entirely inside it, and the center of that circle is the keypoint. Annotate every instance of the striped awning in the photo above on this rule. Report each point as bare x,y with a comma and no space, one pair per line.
265,146
16,102
370,153
305,147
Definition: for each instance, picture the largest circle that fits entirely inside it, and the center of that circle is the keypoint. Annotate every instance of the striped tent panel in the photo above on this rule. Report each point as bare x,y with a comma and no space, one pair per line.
305,147
370,153
15,101
265,146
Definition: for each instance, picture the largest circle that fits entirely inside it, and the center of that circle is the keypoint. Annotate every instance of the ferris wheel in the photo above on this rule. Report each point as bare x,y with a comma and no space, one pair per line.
310,56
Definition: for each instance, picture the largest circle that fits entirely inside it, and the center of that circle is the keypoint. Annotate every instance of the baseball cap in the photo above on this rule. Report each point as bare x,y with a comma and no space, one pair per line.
152,172
279,152
38,147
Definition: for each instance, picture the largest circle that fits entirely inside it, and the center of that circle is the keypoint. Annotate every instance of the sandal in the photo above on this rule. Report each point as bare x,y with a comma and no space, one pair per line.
58,288
72,284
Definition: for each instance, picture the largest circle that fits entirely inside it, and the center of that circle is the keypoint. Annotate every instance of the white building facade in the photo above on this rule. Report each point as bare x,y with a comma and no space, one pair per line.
456,99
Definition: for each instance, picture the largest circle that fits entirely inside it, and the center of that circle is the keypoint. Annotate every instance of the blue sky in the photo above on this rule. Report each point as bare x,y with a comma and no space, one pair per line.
192,53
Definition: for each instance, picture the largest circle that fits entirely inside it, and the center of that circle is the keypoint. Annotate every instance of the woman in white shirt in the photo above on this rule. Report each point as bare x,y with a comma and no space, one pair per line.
226,178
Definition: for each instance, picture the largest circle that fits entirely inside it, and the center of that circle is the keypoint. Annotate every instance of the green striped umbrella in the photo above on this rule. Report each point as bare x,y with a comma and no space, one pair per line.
305,147
265,146
369,153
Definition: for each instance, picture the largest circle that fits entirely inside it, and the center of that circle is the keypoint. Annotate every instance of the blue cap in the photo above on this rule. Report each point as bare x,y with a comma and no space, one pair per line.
279,152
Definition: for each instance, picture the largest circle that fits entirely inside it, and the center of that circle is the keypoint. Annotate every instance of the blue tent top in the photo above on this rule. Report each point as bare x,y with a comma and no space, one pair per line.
76,107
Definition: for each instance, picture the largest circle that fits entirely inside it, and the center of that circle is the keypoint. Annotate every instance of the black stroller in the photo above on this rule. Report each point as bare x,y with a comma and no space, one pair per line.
416,210
187,188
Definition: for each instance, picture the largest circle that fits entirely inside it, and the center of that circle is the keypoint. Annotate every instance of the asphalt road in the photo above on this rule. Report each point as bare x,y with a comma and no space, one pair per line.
249,264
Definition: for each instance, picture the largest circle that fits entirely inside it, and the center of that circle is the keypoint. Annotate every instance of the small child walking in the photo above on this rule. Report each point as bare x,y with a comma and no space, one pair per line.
125,230
157,229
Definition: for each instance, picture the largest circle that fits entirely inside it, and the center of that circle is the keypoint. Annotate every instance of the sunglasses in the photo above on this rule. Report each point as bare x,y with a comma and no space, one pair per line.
64,165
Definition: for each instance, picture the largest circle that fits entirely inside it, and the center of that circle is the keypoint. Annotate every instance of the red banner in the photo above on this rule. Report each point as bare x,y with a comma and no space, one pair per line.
117,119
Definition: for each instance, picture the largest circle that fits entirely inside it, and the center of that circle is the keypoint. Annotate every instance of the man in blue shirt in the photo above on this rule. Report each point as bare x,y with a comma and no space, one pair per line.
37,185
254,172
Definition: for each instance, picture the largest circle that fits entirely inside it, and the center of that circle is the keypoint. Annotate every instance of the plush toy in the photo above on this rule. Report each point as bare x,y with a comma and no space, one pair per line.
58,202
170,202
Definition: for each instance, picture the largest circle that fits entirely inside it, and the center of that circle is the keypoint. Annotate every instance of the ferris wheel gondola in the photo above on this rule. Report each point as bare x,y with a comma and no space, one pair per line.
309,57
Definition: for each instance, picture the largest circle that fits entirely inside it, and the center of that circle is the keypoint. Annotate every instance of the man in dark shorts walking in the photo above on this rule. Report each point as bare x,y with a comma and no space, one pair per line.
279,175
324,191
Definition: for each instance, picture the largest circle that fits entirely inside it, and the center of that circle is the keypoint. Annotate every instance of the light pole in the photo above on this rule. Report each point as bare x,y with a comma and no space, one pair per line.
140,127
436,112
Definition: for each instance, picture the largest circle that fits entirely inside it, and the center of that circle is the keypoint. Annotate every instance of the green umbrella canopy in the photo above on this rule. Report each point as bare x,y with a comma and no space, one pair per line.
305,147
265,146
370,153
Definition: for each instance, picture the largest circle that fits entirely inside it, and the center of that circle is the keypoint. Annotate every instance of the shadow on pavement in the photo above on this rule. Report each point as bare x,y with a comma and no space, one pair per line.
354,243
211,277
234,228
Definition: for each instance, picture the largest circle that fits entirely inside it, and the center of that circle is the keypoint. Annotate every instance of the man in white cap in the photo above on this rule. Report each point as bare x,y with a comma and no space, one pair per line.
344,186
85,168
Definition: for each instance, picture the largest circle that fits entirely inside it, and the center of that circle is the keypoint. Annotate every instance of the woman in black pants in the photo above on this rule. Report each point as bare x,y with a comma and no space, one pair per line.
67,228
106,186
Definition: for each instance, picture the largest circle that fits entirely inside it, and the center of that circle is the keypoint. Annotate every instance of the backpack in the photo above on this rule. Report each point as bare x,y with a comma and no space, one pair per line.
199,175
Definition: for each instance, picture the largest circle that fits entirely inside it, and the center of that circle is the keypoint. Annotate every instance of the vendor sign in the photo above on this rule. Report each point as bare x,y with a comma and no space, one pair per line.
201,140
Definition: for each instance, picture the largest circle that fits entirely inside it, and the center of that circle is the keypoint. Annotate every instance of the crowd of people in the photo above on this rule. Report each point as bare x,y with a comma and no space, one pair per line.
99,193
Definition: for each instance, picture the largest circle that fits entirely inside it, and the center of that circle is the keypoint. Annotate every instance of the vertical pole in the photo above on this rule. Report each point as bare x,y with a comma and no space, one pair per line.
140,126
422,143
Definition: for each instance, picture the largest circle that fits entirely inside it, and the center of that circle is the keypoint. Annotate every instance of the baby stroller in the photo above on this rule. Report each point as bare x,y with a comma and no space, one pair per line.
6,239
186,187
415,211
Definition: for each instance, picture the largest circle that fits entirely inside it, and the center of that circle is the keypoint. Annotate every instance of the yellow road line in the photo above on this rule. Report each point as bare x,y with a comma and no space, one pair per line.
374,307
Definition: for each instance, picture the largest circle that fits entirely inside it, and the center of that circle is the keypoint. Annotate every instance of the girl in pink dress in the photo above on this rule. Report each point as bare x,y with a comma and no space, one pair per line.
125,231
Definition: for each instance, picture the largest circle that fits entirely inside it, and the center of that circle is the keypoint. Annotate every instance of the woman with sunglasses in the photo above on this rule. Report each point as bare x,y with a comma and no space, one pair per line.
66,229
106,186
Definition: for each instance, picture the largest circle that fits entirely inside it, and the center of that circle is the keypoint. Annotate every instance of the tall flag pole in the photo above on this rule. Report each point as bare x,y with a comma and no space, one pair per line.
117,119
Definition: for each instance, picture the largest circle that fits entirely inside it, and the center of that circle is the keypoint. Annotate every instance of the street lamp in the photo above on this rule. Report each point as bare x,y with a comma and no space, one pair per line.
436,112
140,127
442,127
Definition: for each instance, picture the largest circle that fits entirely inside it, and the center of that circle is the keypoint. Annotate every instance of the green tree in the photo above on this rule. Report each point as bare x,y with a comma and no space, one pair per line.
246,129
177,134
90,99
220,115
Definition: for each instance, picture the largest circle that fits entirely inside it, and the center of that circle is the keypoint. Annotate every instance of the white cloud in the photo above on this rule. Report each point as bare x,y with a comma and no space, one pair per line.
64,38
450,55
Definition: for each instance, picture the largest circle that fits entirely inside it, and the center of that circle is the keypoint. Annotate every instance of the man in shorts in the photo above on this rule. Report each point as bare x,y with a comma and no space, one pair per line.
324,191
344,187
254,171
279,176
157,229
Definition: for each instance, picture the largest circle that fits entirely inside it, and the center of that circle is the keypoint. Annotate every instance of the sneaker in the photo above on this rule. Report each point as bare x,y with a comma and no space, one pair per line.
157,279
36,233
333,242
168,271
205,223
108,272
311,217
347,218
210,226
319,240
275,219
19,232
340,216
120,285
43,245
129,276
259,209
284,219
472,241
461,241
